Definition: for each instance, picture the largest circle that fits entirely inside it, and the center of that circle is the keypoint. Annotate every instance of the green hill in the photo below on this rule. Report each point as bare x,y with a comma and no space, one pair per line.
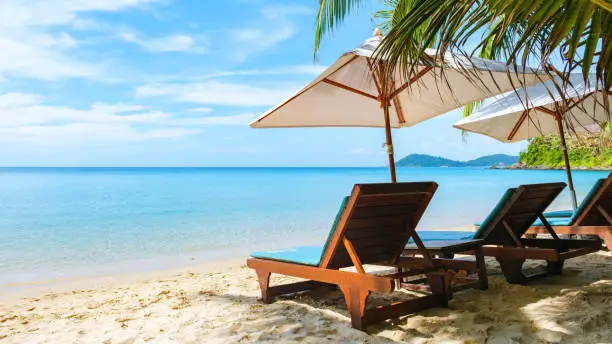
587,152
494,160
424,160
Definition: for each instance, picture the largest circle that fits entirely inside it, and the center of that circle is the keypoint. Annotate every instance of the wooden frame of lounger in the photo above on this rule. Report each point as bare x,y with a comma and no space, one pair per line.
595,219
376,224
503,232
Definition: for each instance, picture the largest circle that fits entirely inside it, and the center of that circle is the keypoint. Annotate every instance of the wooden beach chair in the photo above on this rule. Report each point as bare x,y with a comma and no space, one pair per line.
372,227
503,229
592,217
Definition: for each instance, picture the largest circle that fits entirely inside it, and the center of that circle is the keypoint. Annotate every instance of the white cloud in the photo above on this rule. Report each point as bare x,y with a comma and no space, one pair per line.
18,13
361,151
25,116
31,55
305,69
31,46
241,119
173,43
13,100
78,132
201,110
275,27
219,93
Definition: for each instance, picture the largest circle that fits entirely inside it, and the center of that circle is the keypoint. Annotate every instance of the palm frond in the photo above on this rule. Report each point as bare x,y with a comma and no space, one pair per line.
330,15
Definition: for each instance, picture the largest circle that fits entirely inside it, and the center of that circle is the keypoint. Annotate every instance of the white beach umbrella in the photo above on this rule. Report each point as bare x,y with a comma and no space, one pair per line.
356,92
540,110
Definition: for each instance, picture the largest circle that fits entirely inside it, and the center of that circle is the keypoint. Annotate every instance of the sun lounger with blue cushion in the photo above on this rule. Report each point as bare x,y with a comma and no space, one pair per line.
373,226
503,229
592,218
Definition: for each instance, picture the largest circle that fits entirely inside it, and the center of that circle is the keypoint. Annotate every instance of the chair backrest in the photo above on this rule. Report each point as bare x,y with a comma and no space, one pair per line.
378,220
590,213
517,210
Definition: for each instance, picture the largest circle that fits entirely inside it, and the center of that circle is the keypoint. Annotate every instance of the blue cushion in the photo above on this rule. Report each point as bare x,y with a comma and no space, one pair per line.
589,197
335,224
443,235
306,255
559,213
574,214
555,221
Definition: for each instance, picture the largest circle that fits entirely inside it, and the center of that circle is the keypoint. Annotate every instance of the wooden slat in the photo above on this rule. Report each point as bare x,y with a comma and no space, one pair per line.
520,253
383,200
336,238
606,186
605,214
397,188
367,250
375,236
376,222
388,210
561,243
577,252
548,227
416,262
510,232
291,288
372,232
343,260
337,277
591,230
353,254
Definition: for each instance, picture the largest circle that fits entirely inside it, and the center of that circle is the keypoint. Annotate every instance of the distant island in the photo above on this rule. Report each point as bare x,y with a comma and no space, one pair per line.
424,160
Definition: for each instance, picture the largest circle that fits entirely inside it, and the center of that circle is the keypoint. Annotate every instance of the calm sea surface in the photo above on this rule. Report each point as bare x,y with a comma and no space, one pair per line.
60,222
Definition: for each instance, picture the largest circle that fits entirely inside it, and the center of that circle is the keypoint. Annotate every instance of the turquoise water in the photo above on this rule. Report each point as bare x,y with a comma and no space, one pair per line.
57,222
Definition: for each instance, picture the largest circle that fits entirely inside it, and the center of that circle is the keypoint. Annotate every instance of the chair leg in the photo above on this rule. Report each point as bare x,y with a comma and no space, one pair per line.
440,284
264,284
356,300
554,268
512,270
482,269
607,238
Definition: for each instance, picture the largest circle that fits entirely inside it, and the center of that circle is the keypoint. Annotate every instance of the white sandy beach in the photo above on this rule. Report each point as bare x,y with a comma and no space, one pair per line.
219,303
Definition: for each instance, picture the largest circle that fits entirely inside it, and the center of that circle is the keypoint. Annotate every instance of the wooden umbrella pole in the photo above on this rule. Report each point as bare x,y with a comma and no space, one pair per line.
382,85
568,170
384,102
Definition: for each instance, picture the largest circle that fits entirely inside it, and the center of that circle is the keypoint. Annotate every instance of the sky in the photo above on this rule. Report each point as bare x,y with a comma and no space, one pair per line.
176,82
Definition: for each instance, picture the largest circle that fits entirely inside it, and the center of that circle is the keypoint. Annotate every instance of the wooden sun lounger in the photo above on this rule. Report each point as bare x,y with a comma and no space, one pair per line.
372,227
593,216
503,229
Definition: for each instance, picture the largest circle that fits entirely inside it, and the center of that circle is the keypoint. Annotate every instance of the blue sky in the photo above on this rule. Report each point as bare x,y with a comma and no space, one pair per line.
175,83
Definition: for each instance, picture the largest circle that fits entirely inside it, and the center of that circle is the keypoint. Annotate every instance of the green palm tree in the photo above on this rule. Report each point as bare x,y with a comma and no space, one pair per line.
576,32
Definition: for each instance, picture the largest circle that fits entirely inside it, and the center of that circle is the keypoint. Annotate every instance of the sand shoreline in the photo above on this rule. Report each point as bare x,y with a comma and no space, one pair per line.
134,271
218,302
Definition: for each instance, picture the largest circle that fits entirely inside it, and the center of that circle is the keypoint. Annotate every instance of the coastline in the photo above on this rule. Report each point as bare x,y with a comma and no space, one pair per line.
520,166
219,303
137,270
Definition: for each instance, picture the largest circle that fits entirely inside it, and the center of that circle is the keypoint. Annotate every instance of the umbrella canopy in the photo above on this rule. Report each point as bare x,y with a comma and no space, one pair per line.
347,95
356,91
527,113
541,110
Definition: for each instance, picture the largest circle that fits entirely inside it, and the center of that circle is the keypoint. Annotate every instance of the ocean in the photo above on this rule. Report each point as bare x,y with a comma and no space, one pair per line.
66,222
